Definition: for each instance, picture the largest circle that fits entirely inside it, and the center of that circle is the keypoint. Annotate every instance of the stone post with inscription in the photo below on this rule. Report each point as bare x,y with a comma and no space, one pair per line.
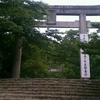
84,58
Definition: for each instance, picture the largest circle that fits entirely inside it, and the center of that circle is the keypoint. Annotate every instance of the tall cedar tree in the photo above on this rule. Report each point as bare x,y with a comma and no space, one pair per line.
19,18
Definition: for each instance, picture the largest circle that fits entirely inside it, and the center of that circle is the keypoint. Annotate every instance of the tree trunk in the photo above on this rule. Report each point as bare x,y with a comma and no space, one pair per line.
17,60
0,60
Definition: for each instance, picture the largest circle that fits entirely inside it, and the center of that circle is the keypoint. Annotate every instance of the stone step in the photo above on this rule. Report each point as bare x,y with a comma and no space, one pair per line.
27,97
49,80
75,90
47,84
49,89
67,93
51,83
70,90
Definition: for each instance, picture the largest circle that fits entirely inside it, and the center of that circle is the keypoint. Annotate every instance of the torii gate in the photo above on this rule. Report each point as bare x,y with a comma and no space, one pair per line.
82,24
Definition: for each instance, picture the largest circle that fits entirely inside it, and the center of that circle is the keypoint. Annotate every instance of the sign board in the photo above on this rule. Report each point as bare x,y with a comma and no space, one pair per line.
85,62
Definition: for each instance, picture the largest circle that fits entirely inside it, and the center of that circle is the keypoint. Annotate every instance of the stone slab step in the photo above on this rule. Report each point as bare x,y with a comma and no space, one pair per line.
49,80
37,91
49,97
49,89
47,84
50,93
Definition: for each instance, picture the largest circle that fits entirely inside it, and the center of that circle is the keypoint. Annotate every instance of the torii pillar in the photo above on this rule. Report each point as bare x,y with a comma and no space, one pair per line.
84,58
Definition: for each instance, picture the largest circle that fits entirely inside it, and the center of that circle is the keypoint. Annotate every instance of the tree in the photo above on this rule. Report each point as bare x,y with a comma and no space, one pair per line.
34,57
54,34
67,55
19,18
72,64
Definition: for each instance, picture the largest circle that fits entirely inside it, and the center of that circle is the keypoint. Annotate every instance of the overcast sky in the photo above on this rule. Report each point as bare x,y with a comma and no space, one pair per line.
74,2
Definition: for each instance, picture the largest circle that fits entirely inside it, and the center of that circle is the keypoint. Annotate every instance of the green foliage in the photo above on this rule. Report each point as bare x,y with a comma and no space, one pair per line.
95,66
33,69
7,55
72,35
70,71
54,34
67,54
18,19
34,60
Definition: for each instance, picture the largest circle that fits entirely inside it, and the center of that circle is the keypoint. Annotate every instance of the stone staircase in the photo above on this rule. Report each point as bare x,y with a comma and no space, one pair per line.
49,89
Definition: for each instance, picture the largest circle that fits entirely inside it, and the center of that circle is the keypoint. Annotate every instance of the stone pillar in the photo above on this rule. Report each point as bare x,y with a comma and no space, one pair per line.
84,58
51,17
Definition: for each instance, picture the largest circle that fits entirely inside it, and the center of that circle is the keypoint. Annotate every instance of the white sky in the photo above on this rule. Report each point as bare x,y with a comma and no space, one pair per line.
73,2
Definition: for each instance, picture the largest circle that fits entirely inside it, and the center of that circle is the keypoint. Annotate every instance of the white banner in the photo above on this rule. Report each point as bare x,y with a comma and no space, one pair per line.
85,62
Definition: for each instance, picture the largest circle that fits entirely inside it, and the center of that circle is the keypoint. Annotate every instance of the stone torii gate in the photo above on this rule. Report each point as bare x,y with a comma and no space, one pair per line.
82,24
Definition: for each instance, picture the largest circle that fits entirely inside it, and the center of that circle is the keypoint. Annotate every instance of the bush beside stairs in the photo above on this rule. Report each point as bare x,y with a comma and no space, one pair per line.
49,89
